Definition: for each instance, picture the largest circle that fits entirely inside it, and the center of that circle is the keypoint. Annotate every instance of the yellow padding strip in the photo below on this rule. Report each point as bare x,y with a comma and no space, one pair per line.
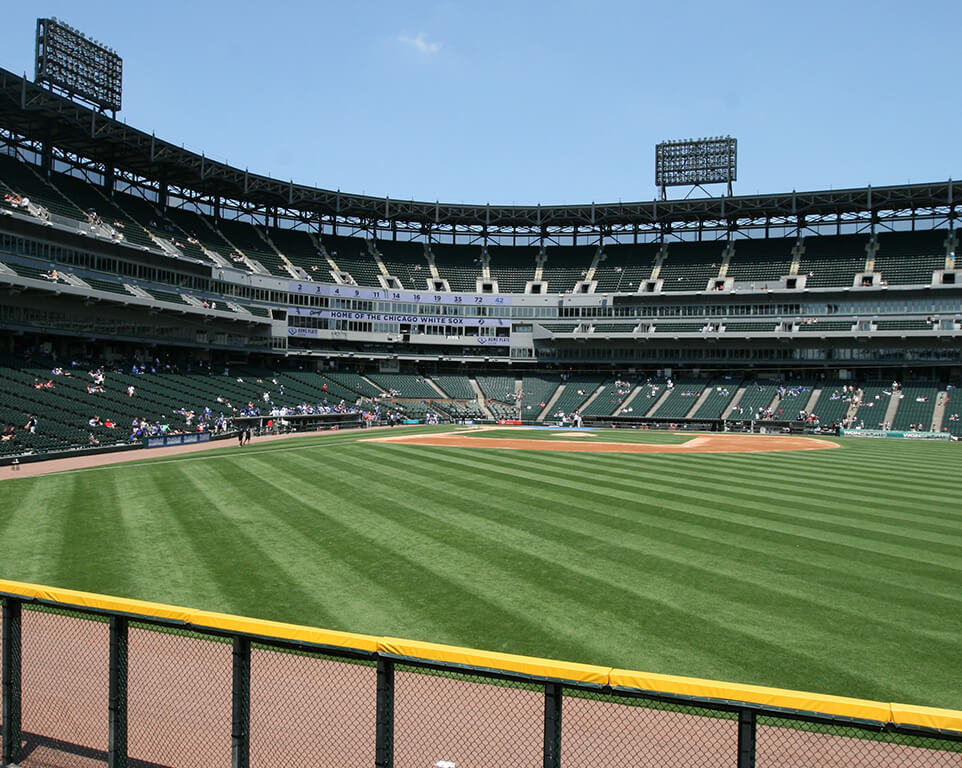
755,694
506,662
900,714
927,717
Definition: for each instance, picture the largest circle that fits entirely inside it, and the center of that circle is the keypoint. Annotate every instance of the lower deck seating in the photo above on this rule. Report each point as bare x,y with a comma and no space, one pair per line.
916,408
681,399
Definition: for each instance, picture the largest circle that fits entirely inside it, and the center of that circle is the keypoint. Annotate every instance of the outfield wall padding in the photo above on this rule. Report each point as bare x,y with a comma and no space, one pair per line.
50,639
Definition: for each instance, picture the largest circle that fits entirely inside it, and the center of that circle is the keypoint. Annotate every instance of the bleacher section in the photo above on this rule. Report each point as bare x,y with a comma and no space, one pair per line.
404,385
917,407
499,395
245,237
460,265
681,399
625,267
909,258
833,403
406,262
722,392
689,266
578,388
512,267
352,256
873,405
536,390
23,179
566,266
833,260
615,392
760,262
300,250
92,200
757,397
64,410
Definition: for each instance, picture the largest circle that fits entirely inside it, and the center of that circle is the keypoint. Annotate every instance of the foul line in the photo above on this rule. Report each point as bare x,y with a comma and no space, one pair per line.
158,461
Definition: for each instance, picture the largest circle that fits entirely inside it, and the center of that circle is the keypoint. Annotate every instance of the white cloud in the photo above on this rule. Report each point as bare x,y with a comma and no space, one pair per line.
420,43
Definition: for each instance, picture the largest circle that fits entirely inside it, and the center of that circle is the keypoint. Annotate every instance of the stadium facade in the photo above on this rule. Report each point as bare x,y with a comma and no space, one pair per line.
112,238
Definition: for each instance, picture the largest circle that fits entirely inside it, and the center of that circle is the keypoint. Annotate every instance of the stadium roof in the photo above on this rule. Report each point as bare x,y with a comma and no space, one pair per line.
37,114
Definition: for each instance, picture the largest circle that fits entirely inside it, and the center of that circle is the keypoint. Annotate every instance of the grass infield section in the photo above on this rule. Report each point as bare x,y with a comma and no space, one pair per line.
830,571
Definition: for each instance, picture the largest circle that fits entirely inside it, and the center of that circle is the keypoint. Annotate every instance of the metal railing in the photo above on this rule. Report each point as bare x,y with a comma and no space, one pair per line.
93,680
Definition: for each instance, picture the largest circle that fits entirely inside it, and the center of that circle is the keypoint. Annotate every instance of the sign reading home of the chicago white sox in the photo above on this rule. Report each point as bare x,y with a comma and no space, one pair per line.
386,294
483,341
377,317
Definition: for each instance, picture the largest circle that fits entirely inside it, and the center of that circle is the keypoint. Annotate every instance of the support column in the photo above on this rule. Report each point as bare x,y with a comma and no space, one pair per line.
11,691
117,694
384,747
746,738
240,737
552,725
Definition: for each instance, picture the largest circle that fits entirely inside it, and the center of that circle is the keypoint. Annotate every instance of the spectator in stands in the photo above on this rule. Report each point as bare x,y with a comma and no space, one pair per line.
32,424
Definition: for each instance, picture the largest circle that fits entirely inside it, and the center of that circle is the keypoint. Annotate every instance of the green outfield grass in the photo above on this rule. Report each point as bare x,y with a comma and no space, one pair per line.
833,571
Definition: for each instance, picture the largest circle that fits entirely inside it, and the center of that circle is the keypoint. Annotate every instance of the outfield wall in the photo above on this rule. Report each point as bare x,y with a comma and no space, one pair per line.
90,680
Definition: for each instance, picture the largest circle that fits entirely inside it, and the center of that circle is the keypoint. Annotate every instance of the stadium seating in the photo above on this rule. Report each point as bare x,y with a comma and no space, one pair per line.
90,199
833,260
246,238
916,408
565,266
689,266
512,267
614,393
904,325
460,265
722,392
25,181
577,389
406,262
625,267
760,262
757,397
352,256
909,258
681,399
833,403
404,385
873,405
299,249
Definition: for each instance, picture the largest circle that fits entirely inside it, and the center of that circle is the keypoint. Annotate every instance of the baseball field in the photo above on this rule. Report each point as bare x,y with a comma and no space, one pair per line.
834,570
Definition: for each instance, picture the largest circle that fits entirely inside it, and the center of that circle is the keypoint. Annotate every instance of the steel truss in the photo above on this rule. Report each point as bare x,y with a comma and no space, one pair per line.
45,127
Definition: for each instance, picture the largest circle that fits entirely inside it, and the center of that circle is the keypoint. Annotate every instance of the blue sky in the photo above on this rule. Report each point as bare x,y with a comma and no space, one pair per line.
525,102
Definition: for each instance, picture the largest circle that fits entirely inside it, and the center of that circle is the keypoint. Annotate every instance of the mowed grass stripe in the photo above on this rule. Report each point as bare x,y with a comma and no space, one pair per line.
794,519
679,629
415,573
565,575
707,515
660,529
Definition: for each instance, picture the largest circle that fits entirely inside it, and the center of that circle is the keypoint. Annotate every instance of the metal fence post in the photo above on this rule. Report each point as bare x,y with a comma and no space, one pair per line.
552,725
117,694
746,738
240,737
384,742
11,690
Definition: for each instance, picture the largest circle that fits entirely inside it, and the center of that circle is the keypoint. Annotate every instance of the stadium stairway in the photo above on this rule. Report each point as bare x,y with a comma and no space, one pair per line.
479,395
739,394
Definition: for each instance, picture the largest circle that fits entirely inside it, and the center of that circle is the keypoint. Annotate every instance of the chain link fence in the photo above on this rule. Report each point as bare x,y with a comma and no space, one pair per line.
88,687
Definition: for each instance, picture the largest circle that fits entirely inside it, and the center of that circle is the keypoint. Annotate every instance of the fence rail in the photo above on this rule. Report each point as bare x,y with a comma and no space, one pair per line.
92,680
